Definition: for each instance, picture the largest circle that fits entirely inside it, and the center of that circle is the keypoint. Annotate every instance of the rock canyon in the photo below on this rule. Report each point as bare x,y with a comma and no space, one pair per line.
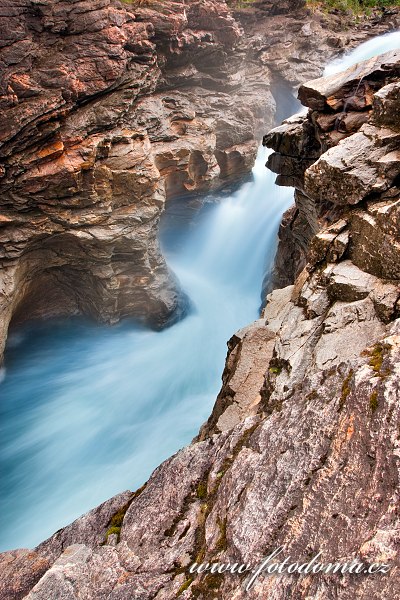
112,110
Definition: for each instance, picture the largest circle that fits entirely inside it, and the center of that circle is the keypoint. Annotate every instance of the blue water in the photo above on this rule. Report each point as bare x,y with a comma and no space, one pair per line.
87,411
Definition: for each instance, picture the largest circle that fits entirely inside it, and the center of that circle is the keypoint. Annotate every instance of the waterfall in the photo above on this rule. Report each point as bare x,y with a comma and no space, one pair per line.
87,411
369,49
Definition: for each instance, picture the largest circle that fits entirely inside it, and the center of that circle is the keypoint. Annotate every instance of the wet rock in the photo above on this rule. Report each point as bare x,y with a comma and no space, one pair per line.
302,447
288,264
108,116
100,132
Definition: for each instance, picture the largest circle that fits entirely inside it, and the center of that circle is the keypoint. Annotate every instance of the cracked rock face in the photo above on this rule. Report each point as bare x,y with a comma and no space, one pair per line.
301,450
344,152
316,470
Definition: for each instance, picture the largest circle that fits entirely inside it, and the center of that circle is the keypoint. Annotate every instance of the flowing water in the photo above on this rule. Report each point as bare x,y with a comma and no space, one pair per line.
87,411
373,47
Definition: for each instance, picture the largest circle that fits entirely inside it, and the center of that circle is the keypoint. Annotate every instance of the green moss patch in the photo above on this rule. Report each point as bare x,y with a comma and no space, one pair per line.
377,356
275,370
184,586
355,6
201,491
373,401
115,523
221,544
346,389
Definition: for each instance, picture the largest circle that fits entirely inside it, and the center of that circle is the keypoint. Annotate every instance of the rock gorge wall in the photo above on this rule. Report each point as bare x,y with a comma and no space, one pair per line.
302,449
110,109
302,140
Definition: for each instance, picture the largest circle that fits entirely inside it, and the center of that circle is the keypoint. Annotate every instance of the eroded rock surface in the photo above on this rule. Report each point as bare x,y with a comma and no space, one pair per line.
316,470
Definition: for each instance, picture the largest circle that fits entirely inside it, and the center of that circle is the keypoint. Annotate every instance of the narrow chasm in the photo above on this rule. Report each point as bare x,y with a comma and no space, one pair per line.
155,212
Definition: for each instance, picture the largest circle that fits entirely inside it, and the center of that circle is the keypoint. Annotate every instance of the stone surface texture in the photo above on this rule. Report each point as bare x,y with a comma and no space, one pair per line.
343,153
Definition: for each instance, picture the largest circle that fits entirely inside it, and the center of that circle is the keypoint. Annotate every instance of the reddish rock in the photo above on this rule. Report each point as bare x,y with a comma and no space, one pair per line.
20,571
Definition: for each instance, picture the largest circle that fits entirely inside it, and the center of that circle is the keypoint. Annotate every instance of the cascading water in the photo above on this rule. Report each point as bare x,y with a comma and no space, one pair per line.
87,411
373,47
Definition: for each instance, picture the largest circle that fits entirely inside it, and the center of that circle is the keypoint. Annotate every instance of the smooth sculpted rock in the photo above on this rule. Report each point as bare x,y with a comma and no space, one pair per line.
110,109
89,159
